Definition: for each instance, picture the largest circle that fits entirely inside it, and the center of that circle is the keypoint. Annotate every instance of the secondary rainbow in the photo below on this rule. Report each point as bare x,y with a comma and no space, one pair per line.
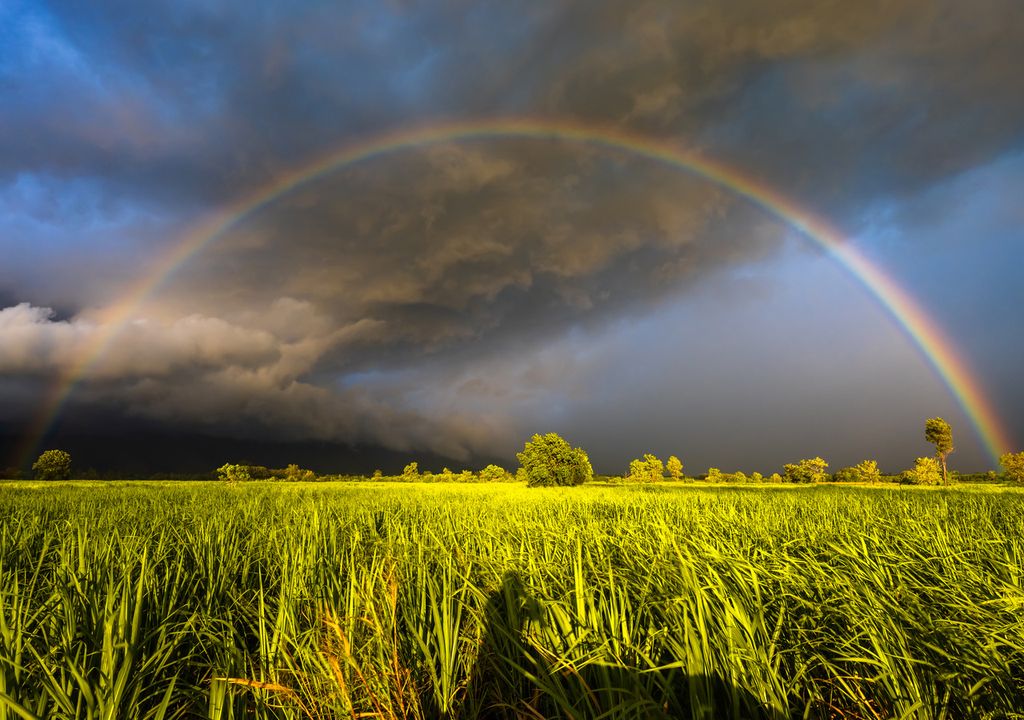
937,350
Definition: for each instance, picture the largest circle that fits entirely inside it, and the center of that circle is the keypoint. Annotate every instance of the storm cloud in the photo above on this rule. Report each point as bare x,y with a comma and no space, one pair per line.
420,299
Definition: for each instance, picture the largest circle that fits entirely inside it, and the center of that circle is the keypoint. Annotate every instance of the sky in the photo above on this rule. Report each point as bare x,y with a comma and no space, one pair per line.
444,300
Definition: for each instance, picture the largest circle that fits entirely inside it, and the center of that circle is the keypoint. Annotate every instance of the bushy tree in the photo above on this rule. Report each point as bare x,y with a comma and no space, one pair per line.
294,473
411,472
648,469
53,465
939,434
495,473
674,467
807,471
862,472
775,478
233,473
445,475
927,471
714,475
756,477
549,460
1013,466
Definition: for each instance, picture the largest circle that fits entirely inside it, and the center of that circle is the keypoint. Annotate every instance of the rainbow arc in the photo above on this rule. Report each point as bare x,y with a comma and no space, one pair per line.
935,347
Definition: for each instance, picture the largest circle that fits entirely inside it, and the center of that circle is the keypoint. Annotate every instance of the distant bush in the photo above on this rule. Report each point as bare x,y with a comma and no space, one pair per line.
647,469
233,473
495,473
1013,466
713,475
549,460
862,472
53,465
926,471
814,470
674,466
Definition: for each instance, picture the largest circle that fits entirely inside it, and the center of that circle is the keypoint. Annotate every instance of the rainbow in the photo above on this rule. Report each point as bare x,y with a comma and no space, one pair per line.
936,349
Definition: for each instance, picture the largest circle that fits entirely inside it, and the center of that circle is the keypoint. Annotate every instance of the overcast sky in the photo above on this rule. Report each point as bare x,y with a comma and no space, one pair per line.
452,299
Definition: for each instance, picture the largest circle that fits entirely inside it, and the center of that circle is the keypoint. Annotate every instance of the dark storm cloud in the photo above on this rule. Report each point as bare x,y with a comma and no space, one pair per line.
135,118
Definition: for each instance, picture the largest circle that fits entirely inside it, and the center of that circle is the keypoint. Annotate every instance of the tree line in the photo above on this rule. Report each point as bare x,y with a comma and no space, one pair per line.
549,460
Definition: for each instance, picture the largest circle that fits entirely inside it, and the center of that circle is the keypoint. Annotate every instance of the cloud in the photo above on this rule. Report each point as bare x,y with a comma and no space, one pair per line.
122,127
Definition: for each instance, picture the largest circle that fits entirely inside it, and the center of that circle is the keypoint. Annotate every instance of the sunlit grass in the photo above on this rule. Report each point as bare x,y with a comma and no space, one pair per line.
160,600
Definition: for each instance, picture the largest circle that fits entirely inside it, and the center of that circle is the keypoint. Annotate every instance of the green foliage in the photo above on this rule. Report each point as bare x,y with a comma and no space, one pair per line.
939,434
756,477
411,472
53,465
648,469
548,460
294,473
863,472
775,478
674,466
233,473
1013,466
814,470
926,471
495,473
714,475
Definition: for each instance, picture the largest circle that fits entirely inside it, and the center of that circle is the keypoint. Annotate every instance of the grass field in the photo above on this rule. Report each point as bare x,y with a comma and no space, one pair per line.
147,600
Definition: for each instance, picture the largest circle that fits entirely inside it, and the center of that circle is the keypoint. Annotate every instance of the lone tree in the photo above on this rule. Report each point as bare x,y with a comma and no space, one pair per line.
1013,466
549,460
939,434
674,467
53,465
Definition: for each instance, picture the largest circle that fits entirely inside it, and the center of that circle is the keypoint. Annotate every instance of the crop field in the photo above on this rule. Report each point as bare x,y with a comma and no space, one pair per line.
271,600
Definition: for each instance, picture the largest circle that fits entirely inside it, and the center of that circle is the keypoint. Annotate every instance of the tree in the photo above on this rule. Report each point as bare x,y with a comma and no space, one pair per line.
53,465
294,473
648,469
549,460
939,434
674,467
714,475
1013,466
926,472
411,472
862,472
233,473
807,471
494,473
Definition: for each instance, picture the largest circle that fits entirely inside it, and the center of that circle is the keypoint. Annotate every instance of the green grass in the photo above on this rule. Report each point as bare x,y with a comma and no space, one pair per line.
163,600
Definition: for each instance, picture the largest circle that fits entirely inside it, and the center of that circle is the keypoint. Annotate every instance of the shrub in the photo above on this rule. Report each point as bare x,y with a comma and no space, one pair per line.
549,460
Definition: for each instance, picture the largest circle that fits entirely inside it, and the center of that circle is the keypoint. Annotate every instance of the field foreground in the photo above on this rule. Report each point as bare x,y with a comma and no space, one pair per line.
147,600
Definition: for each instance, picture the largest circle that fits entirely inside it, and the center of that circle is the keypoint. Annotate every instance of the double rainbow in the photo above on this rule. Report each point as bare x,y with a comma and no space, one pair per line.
936,349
